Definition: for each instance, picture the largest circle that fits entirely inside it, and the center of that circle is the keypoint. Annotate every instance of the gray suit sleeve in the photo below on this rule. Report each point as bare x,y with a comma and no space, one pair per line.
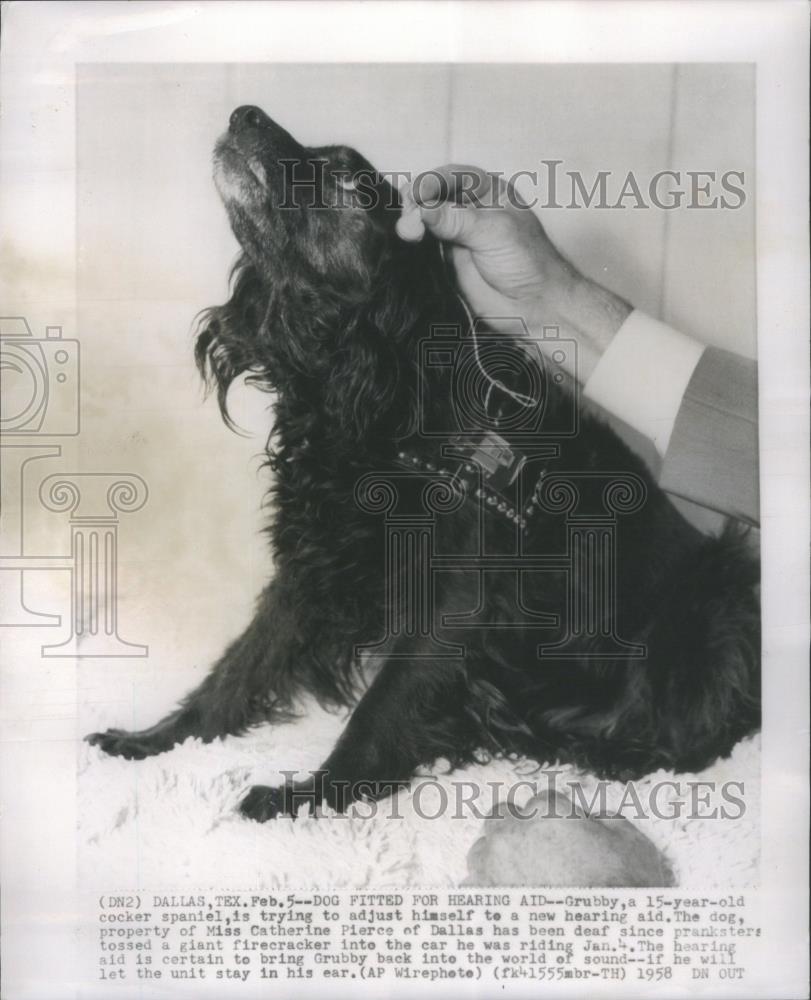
712,458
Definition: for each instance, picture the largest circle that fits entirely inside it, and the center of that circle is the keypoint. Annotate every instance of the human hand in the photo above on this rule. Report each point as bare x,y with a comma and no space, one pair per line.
505,263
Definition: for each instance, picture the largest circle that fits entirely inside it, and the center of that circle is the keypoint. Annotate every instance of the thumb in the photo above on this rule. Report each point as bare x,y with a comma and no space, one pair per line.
453,223
459,224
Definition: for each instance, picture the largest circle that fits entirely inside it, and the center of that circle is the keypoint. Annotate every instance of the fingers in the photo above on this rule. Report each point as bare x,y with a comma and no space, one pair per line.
410,226
445,200
448,222
452,223
462,183
429,198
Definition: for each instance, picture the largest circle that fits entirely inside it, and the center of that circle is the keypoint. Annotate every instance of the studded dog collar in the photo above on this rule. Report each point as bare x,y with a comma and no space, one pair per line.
483,471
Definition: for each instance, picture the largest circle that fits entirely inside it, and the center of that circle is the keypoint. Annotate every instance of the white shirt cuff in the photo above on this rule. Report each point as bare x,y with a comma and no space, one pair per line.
643,375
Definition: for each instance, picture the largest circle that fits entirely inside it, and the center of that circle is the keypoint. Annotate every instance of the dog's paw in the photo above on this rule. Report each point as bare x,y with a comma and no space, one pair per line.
263,803
120,743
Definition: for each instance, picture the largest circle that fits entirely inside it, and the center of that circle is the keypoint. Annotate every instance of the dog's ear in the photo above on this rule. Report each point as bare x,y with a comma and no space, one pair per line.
228,335
364,393
375,389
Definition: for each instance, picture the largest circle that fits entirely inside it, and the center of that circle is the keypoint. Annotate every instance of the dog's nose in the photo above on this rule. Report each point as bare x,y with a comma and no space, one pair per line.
247,116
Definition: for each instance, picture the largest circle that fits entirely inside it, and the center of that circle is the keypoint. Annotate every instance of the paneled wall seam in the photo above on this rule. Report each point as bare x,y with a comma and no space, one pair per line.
668,165
449,113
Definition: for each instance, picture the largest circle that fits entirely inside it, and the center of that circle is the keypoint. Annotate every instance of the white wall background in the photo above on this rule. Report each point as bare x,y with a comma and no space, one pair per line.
146,132
154,248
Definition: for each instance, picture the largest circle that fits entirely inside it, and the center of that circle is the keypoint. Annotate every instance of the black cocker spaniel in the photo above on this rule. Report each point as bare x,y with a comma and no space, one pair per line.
447,519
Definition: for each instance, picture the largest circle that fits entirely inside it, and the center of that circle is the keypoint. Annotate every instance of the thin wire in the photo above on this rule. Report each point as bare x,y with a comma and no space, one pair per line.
519,397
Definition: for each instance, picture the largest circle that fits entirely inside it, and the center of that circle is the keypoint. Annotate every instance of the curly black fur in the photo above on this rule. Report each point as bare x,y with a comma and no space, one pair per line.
328,308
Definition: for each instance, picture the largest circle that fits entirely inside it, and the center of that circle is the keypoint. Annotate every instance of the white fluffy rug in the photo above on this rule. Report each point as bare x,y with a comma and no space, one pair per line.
172,821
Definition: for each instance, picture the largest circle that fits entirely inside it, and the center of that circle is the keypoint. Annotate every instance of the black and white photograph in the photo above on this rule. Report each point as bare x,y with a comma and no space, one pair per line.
404,548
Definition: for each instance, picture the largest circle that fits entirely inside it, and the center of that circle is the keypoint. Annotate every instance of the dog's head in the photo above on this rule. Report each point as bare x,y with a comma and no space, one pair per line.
318,213
324,291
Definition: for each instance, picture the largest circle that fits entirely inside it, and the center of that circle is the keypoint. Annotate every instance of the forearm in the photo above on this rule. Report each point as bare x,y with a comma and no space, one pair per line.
583,311
697,405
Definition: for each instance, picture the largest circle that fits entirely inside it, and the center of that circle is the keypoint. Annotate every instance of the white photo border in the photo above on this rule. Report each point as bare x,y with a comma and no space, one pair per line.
42,44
